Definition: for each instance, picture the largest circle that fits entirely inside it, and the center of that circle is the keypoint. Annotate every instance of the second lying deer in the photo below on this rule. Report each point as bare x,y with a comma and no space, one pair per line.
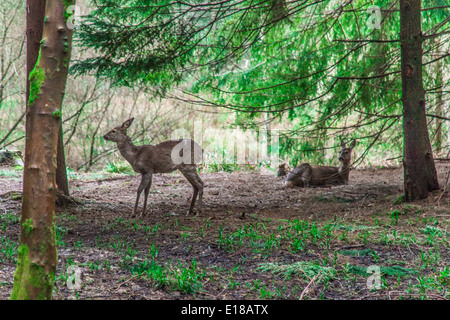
306,175
148,160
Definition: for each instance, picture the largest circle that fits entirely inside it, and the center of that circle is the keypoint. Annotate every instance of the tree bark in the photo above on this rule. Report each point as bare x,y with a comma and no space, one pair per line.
35,25
439,123
37,256
420,175
34,19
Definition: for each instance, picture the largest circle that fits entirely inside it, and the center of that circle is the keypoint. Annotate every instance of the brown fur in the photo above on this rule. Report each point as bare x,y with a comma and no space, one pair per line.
306,175
148,159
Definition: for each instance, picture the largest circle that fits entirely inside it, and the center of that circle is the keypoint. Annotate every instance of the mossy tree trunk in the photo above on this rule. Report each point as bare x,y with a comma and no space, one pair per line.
35,26
35,18
37,256
420,175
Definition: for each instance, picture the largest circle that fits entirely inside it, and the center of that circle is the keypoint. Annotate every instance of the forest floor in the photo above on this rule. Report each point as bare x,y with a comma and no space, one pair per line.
254,239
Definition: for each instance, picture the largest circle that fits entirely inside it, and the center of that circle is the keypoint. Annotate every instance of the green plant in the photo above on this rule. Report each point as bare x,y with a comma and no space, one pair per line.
94,265
358,253
390,271
399,200
59,235
232,284
8,249
107,265
344,236
394,215
265,293
297,245
153,251
8,219
172,277
429,258
119,167
305,269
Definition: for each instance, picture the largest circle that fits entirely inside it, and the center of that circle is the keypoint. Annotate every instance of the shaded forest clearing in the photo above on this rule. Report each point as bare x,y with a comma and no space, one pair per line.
254,239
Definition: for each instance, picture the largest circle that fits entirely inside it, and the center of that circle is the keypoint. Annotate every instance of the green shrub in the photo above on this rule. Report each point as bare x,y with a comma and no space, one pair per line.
119,167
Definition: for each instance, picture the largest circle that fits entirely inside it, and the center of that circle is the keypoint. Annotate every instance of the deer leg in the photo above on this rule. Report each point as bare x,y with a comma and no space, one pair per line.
194,197
199,185
144,182
194,179
146,192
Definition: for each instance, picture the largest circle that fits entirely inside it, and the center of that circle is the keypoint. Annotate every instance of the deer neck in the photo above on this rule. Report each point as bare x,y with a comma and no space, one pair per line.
344,170
127,150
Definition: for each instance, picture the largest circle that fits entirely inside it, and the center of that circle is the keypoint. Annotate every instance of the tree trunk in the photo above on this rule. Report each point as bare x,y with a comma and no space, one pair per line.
35,25
61,173
37,256
420,175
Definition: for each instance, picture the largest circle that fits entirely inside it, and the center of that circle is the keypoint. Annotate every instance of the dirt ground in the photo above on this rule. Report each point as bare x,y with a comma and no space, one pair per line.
254,239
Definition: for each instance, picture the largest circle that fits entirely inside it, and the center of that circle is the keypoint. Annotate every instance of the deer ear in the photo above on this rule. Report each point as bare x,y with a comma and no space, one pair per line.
343,145
127,123
352,145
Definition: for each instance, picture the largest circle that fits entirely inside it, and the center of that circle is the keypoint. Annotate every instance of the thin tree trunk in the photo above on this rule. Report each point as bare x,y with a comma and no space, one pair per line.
61,173
420,175
439,136
91,149
37,256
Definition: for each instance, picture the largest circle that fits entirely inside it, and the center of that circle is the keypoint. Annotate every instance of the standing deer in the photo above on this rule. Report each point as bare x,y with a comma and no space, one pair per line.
165,157
306,175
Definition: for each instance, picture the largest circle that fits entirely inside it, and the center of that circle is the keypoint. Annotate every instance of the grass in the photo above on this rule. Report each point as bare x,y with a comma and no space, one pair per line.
258,257
172,276
264,247
11,173
306,269
122,167
390,271
358,253
8,249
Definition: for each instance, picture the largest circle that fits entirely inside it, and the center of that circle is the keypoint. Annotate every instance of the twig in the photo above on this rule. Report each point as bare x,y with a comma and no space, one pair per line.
127,281
12,129
304,290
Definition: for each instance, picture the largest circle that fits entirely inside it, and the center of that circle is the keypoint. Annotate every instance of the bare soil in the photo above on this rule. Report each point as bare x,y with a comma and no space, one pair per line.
254,239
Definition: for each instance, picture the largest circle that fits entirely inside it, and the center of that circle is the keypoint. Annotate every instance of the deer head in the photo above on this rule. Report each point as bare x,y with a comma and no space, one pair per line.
345,154
119,134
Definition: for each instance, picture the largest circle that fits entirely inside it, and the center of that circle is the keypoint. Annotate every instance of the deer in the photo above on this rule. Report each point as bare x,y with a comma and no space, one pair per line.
281,171
166,157
306,175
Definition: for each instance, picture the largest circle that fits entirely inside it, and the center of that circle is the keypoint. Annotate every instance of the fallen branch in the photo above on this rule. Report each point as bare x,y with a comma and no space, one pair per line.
305,290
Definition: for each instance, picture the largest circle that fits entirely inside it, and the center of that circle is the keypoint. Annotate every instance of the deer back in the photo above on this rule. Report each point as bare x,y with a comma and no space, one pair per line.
167,156
323,175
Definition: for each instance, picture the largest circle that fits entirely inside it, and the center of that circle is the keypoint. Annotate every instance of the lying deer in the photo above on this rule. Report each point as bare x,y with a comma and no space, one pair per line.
281,171
162,158
306,175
